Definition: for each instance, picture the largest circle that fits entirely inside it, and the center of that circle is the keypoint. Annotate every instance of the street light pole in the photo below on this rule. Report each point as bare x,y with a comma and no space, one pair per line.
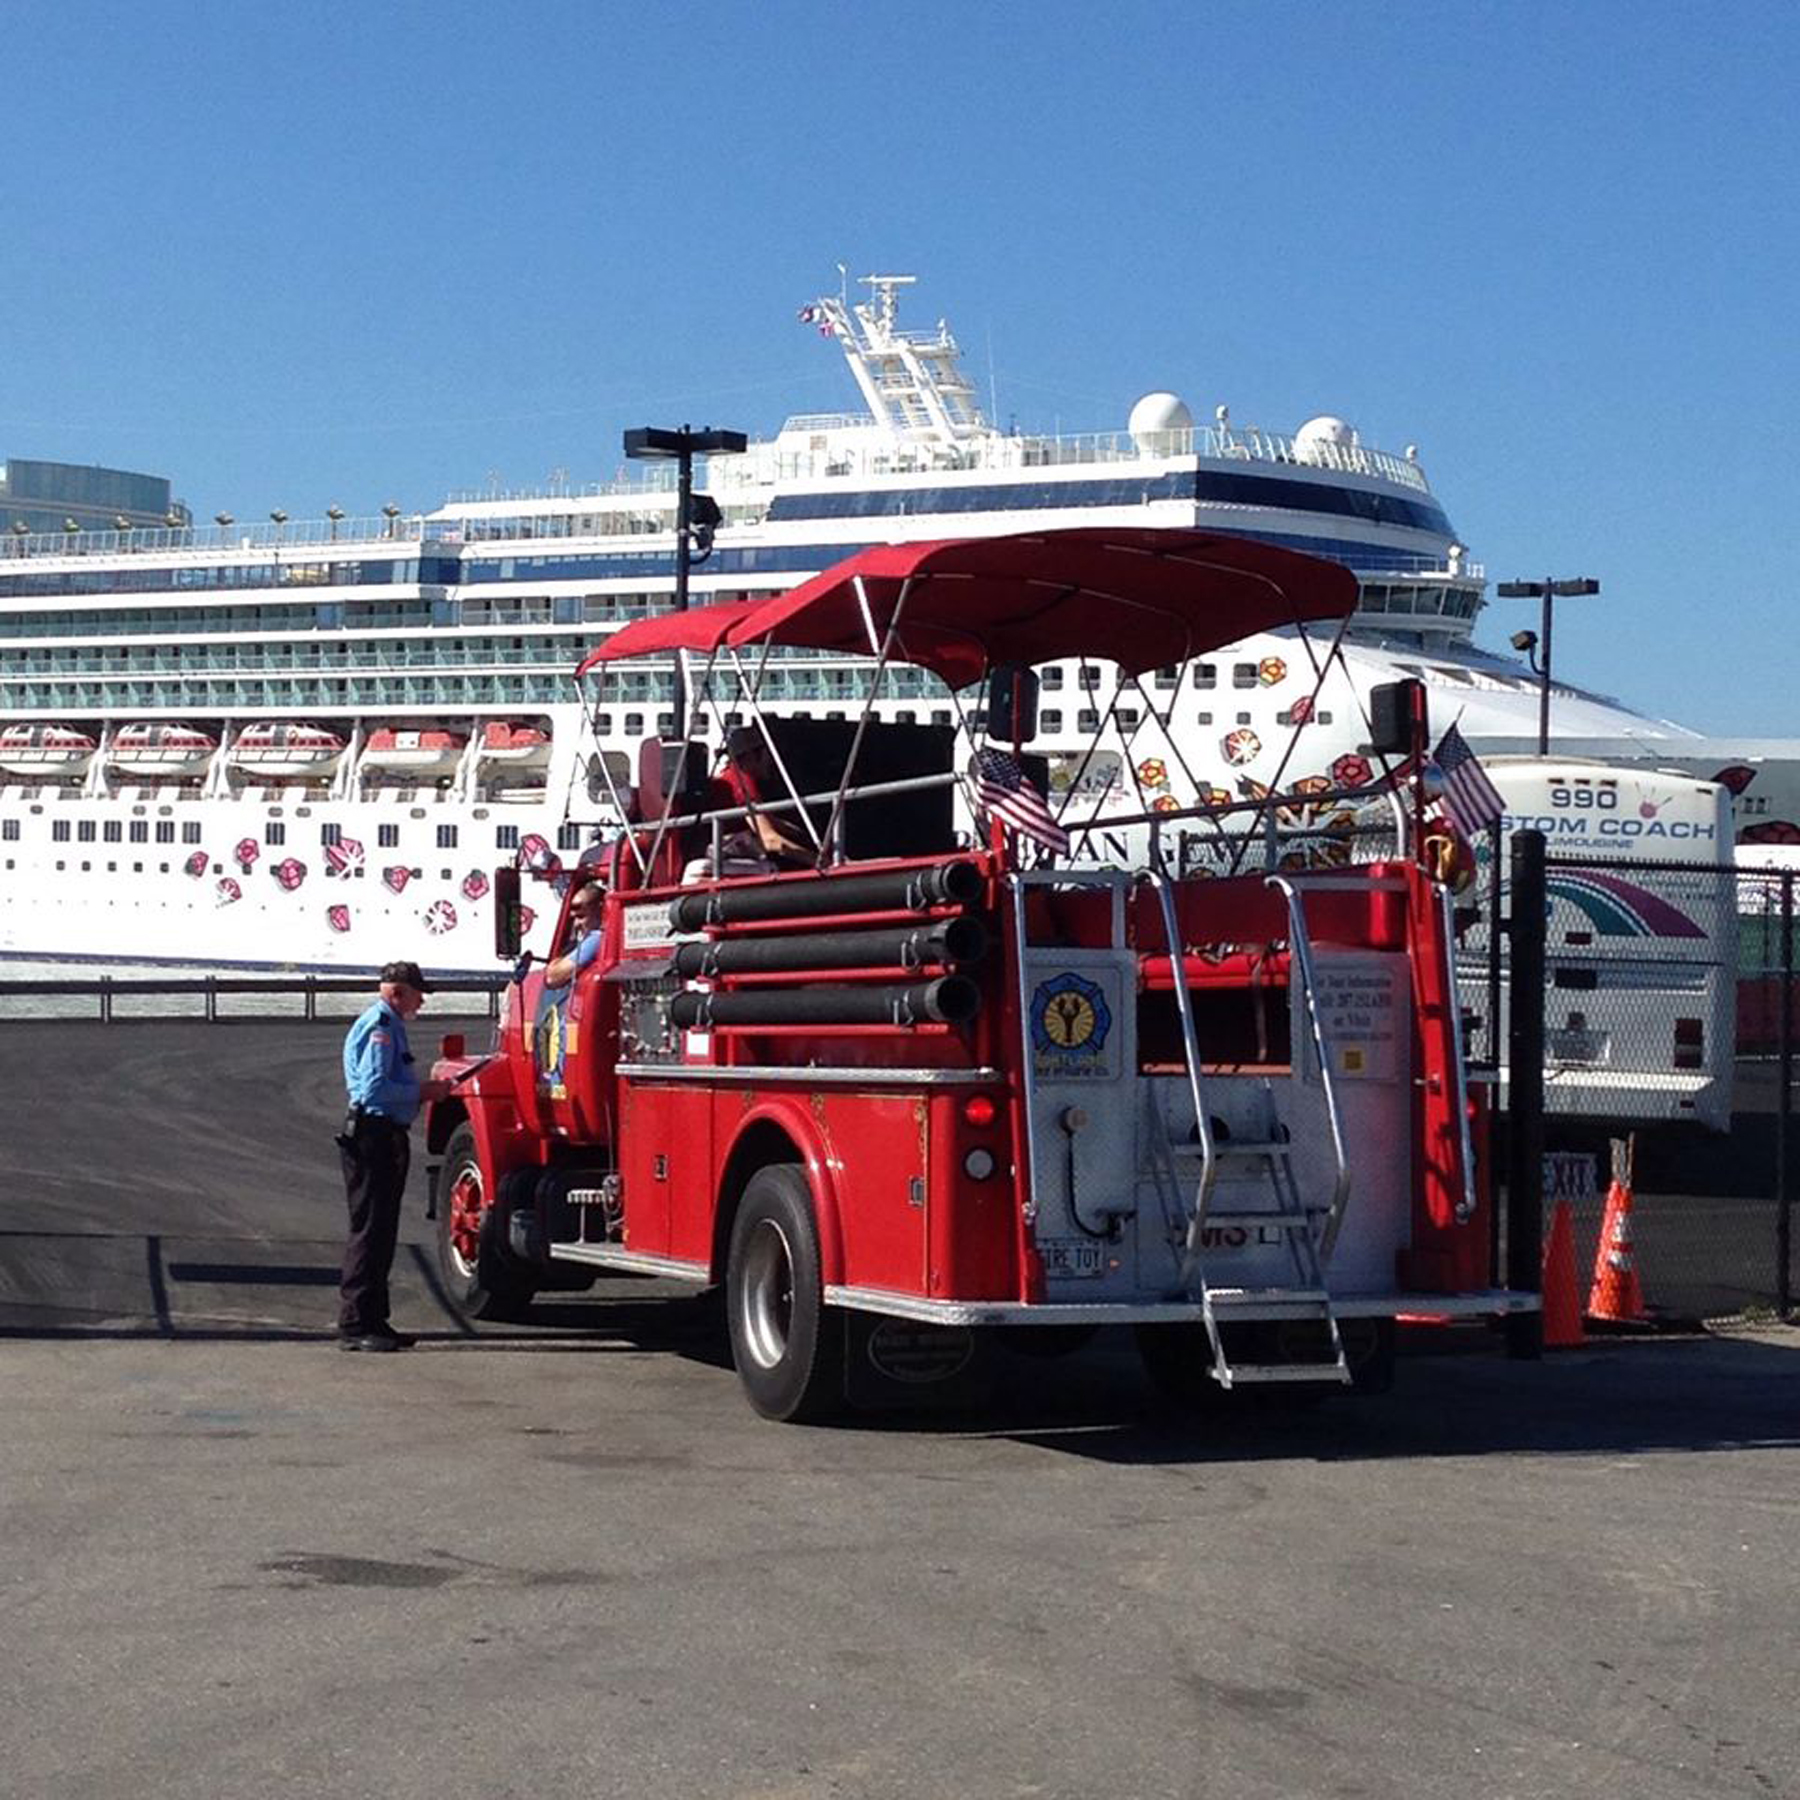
1538,646
695,515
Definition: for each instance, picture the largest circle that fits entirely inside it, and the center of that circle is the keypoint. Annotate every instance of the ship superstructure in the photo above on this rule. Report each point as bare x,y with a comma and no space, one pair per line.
306,744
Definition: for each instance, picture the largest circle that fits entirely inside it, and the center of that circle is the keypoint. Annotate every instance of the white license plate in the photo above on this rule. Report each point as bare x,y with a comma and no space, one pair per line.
1587,1047
1070,1256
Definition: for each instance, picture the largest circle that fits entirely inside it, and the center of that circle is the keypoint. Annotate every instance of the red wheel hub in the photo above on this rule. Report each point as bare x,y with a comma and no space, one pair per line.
465,1216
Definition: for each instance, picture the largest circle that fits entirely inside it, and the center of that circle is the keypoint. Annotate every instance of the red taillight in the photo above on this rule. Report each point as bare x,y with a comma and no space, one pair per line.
978,1109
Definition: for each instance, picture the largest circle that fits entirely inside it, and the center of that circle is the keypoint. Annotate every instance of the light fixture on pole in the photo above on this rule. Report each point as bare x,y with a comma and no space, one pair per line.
390,512
697,516
336,515
1547,590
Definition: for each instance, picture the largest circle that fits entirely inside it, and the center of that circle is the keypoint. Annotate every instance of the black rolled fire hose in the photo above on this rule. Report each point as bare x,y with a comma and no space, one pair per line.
950,1000
937,945
894,890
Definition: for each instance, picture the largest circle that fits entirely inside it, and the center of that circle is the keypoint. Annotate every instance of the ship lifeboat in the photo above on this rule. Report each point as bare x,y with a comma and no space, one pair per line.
39,751
281,750
514,746
425,752
161,747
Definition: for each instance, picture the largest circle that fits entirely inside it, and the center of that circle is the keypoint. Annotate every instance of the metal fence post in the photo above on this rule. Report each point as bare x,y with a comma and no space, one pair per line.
212,999
106,998
1784,1107
1525,1091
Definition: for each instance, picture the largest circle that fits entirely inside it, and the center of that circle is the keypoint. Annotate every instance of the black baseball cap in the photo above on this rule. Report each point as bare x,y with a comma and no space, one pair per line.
407,972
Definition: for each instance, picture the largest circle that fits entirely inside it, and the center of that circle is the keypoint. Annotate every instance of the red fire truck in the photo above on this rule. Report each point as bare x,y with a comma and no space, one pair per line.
859,1043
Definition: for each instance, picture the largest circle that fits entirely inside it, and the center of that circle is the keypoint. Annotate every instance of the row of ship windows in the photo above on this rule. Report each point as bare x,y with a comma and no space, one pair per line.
642,565
351,615
274,833
804,683
498,612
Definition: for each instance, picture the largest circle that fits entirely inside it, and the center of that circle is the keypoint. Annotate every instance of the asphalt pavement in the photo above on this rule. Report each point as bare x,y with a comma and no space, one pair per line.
566,1558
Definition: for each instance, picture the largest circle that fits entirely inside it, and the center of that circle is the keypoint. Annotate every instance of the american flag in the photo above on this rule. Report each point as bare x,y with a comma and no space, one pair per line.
1003,787
1471,800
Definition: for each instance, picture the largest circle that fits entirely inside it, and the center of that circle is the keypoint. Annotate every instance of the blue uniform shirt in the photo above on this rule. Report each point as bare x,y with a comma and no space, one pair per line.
378,1066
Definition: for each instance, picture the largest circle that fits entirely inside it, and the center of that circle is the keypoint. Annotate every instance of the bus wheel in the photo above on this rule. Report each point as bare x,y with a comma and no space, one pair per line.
787,1346
480,1278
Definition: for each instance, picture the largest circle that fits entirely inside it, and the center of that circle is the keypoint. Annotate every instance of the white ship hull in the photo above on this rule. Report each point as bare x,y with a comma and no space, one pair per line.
470,621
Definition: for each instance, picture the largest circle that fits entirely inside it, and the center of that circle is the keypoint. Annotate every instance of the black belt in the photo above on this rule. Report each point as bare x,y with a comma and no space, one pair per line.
356,1118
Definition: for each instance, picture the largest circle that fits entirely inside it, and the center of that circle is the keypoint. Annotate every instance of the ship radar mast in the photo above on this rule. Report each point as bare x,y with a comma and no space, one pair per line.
912,380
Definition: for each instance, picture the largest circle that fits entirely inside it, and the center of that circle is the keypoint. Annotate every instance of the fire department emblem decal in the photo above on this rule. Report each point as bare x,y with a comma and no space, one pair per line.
550,1041
1070,1020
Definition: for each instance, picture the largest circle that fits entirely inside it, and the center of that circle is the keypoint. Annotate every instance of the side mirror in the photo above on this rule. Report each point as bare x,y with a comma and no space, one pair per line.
1012,708
509,921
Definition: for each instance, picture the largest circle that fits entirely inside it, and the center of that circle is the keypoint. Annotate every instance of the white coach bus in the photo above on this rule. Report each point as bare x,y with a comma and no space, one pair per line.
1640,952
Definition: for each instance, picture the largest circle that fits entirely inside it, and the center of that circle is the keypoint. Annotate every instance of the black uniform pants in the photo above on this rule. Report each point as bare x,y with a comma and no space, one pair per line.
376,1153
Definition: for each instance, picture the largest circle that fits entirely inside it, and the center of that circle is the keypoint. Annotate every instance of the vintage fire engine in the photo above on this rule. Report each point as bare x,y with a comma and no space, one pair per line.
924,1080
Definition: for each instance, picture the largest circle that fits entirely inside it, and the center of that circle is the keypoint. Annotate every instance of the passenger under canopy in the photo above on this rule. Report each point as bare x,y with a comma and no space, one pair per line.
1142,598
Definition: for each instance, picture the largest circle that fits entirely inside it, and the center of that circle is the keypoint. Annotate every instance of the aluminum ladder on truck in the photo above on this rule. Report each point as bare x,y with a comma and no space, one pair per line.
1308,1229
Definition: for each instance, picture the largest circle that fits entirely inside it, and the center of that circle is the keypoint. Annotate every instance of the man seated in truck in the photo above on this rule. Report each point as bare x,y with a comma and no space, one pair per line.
584,936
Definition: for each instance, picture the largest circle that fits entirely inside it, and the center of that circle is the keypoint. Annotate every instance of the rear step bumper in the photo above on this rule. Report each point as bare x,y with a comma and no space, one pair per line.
1486,1303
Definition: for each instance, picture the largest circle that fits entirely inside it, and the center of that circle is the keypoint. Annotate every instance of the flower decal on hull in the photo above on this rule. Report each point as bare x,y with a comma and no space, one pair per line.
440,916
343,857
226,891
474,884
338,917
396,875
1352,771
246,853
196,864
1239,747
1271,670
290,872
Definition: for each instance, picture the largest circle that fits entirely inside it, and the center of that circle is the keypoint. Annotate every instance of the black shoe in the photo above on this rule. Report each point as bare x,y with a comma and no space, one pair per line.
400,1340
377,1341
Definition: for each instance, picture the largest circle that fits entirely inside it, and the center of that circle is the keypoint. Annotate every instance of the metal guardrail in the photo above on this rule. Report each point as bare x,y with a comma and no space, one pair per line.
107,989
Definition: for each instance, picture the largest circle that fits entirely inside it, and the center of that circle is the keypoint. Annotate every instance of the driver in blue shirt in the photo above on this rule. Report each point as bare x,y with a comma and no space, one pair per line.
584,936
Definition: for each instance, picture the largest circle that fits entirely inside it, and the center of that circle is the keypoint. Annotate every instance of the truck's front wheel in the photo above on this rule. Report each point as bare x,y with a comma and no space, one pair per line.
788,1347
480,1277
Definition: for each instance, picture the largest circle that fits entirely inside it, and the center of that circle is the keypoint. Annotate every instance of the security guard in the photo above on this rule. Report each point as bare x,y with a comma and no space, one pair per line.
385,1096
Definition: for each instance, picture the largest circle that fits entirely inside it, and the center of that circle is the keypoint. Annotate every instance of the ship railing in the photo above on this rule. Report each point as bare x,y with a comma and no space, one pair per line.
209,990
269,537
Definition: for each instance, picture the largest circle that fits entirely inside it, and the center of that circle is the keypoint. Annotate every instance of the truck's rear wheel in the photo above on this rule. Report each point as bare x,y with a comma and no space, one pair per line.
1178,1358
480,1276
788,1347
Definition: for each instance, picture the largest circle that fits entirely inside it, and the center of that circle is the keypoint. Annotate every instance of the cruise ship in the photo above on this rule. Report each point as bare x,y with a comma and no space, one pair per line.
306,745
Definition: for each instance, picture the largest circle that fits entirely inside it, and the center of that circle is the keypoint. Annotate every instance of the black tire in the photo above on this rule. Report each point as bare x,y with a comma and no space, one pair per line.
788,1346
481,1277
1178,1359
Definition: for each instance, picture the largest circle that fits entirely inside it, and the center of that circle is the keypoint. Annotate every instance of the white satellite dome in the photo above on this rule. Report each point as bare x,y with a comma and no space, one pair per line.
1155,422
1322,434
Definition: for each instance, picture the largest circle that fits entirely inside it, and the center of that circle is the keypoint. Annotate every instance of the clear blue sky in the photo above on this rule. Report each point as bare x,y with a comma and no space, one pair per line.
351,253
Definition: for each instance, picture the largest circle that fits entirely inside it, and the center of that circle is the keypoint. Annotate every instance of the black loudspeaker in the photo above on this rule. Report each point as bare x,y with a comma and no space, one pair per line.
815,752
1391,713
668,783
1012,707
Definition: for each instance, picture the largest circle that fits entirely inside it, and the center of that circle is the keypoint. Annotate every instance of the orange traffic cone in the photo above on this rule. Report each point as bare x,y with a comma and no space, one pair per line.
1562,1308
1616,1296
